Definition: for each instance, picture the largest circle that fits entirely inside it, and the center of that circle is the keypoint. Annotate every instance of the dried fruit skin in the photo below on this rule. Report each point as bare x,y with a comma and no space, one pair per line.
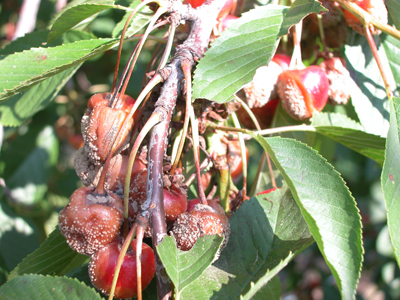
101,124
201,220
339,80
102,266
303,91
89,221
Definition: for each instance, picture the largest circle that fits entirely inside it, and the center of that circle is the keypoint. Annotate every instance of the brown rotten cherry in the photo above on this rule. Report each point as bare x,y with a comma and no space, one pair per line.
102,267
90,221
339,80
102,122
201,220
303,92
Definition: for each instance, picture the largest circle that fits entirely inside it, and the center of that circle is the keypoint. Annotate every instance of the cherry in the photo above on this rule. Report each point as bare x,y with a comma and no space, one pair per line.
303,91
201,220
137,194
175,202
90,221
227,21
228,7
102,266
212,203
235,160
282,60
76,141
263,114
101,123
376,8
339,80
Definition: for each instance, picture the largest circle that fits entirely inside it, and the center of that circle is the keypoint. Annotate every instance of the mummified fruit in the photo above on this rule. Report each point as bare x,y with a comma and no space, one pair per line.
102,267
376,8
201,220
262,88
101,124
339,80
303,92
90,221
89,172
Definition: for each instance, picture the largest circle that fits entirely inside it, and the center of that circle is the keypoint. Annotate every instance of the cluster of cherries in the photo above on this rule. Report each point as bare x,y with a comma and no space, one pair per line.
92,221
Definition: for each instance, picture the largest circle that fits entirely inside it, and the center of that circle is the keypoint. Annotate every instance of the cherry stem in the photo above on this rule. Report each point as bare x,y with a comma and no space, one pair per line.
302,127
120,259
321,31
196,150
296,61
262,161
120,50
243,154
170,41
139,243
203,165
151,122
367,19
186,68
150,28
374,51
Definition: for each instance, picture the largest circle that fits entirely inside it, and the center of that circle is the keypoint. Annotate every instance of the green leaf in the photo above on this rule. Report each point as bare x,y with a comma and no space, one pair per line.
390,177
263,239
18,237
271,291
393,7
249,43
22,70
21,107
53,257
139,21
327,206
183,267
74,15
392,50
368,94
351,134
28,184
46,288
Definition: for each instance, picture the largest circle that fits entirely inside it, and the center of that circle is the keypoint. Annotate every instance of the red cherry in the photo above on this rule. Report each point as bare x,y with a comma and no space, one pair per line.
213,203
76,141
228,7
90,221
235,162
303,91
102,267
227,21
175,203
282,60
376,8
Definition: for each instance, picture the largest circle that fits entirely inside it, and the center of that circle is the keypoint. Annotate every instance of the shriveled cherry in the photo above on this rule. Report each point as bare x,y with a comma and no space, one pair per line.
90,221
101,123
303,92
102,267
339,80
201,220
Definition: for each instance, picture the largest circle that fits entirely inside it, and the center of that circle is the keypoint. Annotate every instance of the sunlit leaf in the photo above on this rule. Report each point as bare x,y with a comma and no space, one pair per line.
327,206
